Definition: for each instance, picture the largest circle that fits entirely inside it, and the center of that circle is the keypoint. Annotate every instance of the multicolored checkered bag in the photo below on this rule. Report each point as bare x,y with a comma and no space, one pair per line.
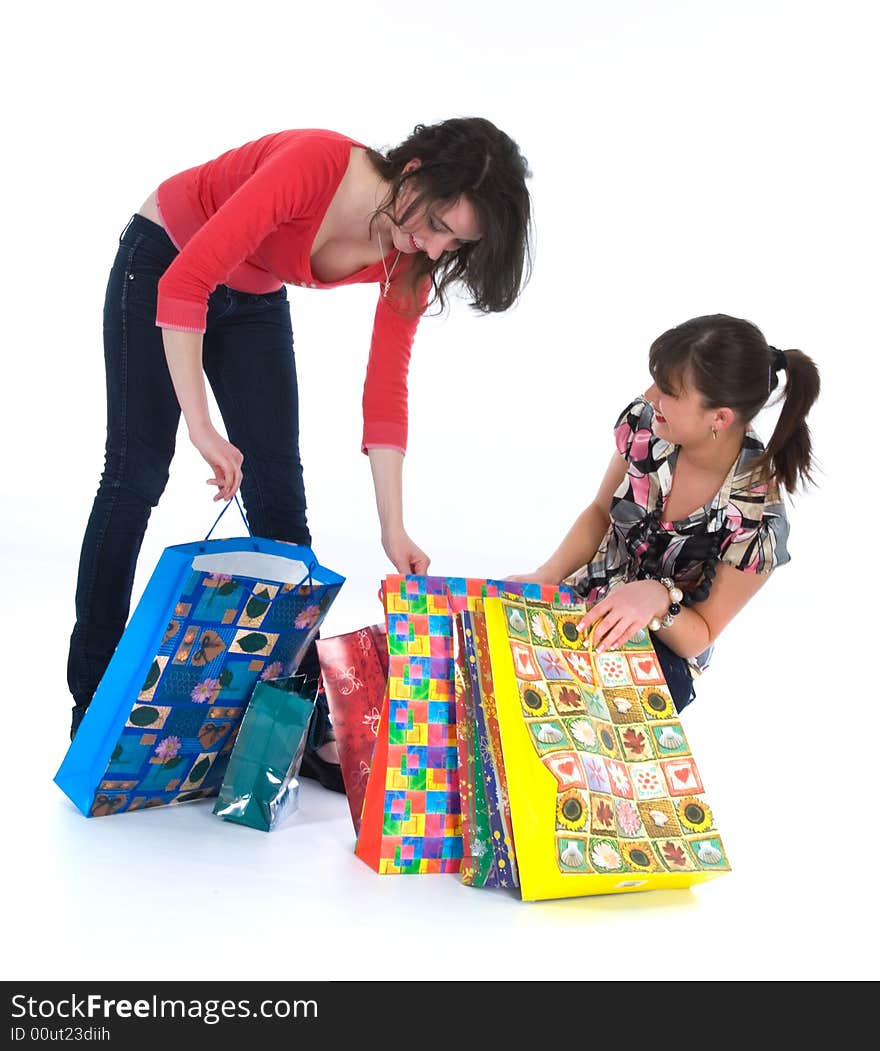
411,818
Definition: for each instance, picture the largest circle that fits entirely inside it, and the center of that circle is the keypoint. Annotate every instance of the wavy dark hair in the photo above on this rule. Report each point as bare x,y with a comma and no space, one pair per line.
729,362
466,157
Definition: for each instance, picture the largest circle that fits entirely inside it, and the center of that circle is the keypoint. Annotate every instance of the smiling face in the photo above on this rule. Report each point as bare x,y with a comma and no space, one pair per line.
680,415
436,228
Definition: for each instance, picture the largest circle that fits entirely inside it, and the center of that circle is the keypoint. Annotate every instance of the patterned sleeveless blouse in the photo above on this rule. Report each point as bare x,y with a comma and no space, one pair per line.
747,512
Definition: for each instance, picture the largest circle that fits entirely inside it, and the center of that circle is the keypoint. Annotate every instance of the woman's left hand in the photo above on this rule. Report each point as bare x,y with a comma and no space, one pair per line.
406,556
624,611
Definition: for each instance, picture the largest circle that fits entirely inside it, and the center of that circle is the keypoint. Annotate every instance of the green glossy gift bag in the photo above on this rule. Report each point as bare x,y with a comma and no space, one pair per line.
260,788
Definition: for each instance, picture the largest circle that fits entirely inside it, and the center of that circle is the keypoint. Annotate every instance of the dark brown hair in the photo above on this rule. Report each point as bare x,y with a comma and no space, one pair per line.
466,157
729,362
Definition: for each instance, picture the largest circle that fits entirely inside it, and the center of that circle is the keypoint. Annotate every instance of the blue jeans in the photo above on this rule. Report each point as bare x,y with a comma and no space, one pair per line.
677,674
249,361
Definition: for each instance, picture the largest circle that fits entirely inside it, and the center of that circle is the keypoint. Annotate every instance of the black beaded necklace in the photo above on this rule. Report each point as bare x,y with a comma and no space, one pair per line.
705,545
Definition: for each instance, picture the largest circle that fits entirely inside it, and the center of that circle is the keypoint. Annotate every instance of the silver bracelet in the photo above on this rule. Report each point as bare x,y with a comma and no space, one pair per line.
675,597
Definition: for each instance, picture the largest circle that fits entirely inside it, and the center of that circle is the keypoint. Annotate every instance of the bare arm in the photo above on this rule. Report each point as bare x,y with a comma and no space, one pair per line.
581,542
697,627
630,607
387,467
183,352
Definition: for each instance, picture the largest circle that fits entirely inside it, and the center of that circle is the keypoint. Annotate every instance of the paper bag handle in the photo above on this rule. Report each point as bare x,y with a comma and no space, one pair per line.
223,512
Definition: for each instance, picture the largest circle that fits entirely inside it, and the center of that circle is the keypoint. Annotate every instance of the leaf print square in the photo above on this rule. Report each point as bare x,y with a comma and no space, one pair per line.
148,716
682,776
635,742
675,855
645,669
648,781
567,697
257,605
253,642
602,814
198,771
613,669
152,679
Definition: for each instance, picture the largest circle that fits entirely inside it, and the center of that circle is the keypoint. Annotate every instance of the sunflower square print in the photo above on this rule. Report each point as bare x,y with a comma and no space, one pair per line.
604,792
163,722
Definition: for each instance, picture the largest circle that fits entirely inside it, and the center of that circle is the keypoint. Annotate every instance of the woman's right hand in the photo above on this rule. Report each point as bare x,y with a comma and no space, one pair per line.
405,555
222,457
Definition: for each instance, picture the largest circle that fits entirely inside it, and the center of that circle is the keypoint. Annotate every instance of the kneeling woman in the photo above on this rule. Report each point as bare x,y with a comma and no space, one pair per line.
689,521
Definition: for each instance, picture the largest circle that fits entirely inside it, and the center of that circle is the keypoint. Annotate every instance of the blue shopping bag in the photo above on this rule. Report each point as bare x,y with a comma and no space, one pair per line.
216,618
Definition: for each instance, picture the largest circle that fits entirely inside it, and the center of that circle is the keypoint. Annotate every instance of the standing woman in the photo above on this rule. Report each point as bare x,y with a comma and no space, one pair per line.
198,288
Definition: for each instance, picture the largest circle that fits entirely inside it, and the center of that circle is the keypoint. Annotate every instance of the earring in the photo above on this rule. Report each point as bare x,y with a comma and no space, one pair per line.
714,434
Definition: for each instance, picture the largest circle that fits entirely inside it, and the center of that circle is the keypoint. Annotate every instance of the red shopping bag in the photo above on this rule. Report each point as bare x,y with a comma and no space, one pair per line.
354,677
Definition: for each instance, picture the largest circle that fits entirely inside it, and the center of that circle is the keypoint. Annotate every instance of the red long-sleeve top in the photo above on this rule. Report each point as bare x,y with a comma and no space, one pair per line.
247,219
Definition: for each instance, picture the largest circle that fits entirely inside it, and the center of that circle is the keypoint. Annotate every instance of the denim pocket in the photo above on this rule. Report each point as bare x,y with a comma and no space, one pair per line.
140,295
143,266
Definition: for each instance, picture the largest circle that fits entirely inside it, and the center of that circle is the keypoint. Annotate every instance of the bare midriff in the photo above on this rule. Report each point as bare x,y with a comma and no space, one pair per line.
150,209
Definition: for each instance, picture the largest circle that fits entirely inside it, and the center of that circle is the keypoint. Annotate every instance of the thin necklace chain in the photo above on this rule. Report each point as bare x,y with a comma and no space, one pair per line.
388,272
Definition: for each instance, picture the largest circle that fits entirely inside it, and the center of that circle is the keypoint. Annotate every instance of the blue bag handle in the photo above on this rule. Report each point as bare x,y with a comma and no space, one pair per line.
223,512
312,565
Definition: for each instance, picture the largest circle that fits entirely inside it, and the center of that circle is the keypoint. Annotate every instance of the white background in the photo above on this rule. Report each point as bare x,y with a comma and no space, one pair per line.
687,158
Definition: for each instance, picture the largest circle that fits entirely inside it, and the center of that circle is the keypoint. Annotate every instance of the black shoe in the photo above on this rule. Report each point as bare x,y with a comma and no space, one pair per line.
76,717
329,774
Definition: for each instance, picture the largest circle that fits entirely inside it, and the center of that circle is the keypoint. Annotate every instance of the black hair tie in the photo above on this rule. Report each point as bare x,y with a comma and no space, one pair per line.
778,358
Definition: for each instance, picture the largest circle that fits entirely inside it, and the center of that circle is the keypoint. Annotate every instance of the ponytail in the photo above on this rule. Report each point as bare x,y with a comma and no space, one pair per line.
789,452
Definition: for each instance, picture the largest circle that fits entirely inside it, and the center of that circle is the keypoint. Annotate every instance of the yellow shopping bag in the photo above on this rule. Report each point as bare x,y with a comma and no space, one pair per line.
605,793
